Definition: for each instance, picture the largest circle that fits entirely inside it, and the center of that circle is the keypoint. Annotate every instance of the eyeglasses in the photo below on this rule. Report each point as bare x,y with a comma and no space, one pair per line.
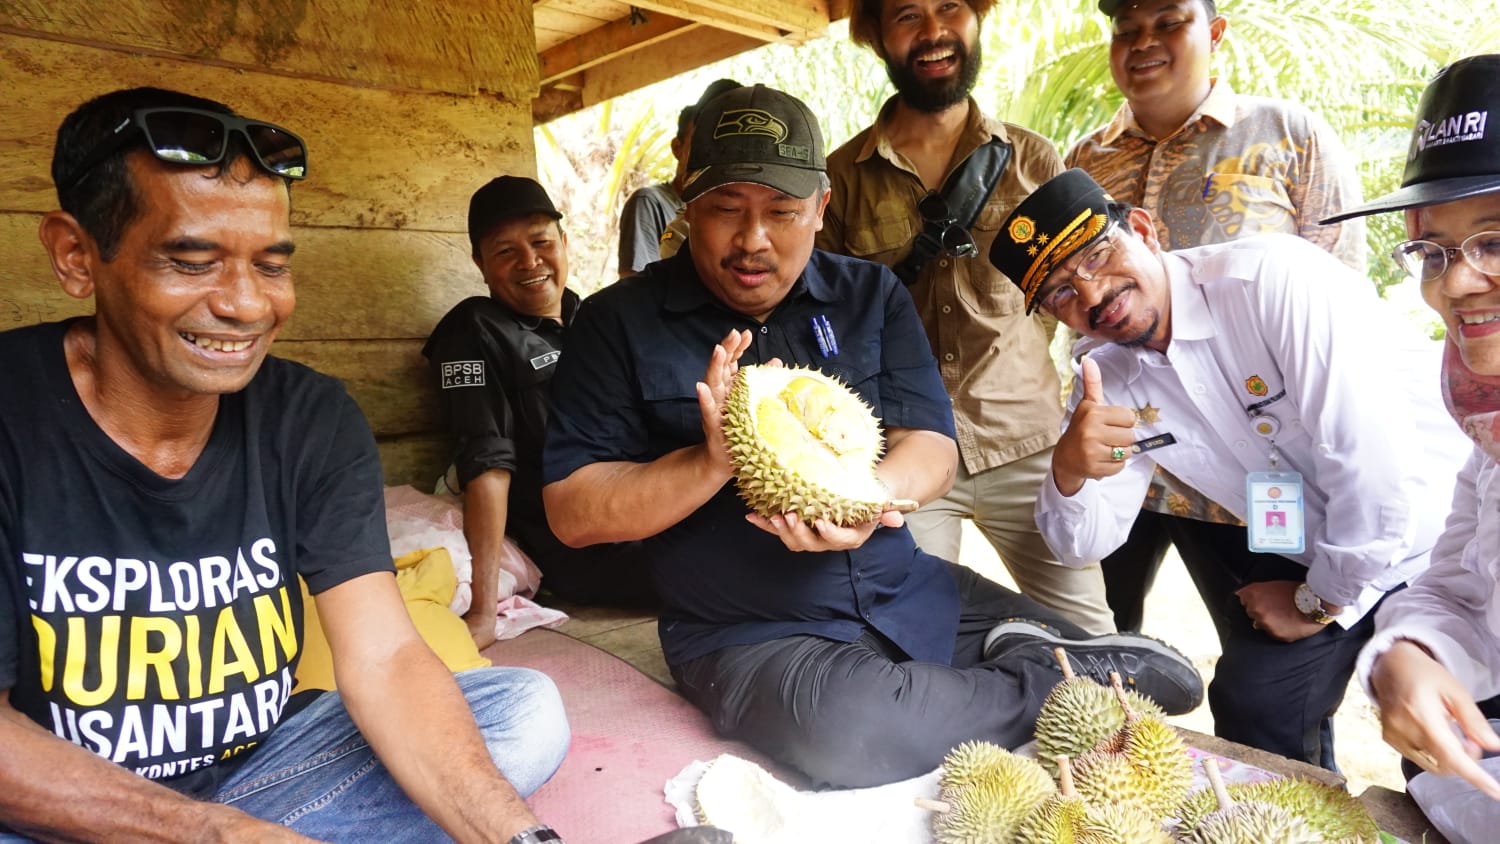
195,137
953,239
1091,267
1427,261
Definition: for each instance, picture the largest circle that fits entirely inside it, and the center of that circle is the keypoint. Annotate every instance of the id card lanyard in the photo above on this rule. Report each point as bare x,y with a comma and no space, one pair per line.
1273,498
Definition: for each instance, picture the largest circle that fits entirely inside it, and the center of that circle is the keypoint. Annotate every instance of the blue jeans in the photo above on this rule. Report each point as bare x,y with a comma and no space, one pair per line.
317,775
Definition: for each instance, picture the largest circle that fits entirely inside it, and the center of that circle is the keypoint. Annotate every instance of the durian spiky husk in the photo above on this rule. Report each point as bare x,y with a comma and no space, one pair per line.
1152,767
1121,823
802,441
1333,814
989,791
1078,714
1251,822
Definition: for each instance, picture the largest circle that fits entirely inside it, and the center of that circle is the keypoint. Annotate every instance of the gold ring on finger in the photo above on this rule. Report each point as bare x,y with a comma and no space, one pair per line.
1428,761
1118,452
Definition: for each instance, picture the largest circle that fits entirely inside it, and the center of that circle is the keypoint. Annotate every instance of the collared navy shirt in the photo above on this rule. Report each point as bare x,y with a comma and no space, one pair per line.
626,392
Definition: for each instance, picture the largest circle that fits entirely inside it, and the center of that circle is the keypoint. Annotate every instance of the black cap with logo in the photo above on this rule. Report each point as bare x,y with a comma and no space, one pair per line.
757,135
1068,212
1455,151
502,199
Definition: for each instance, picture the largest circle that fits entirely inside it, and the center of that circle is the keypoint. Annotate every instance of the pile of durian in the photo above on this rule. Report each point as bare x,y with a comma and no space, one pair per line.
801,441
1114,772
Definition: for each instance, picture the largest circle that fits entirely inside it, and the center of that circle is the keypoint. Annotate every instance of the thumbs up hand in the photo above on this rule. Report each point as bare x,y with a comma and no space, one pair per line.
1098,439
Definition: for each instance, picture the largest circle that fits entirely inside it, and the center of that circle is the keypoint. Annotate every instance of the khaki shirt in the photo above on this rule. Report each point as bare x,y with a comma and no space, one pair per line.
994,358
1238,166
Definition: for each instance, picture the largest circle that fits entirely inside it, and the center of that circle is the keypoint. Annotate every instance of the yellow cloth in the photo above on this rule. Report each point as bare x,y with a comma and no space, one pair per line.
426,581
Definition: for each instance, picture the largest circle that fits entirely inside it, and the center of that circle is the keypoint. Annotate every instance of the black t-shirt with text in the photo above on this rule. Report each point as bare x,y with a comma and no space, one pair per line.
157,621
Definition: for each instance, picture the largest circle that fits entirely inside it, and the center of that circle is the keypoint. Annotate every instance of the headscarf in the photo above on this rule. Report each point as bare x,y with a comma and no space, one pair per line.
1473,400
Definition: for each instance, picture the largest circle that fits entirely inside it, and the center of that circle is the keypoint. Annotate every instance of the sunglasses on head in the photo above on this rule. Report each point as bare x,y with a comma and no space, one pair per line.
195,138
955,240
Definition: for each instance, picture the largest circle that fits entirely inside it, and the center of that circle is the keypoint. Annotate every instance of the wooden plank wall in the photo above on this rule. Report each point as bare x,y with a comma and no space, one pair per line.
406,109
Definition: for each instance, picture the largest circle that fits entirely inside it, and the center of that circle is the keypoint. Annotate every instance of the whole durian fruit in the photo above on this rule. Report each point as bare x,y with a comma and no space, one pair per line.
1333,814
1079,713
1066,818
985,792
1145,762
802,441
1245,822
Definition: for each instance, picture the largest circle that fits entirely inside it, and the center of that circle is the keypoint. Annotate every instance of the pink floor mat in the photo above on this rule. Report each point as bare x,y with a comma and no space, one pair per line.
630,735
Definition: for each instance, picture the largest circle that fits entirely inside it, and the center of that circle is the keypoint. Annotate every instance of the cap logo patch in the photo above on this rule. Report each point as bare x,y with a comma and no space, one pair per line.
1022,229
799,152
1449,130
750,121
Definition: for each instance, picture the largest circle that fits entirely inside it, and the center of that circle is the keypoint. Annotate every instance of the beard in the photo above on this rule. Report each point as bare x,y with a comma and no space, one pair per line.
1140,338
935,95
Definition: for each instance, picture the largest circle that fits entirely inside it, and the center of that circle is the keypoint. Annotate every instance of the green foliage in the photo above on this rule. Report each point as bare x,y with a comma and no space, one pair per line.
1361,64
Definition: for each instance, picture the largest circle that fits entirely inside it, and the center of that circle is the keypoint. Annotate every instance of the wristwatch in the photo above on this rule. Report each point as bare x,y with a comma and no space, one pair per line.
539,834
1310,605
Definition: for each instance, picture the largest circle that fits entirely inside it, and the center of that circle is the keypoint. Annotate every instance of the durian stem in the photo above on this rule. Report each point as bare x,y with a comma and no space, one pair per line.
932,805
1062,661
1065,776
1211,769
1119,686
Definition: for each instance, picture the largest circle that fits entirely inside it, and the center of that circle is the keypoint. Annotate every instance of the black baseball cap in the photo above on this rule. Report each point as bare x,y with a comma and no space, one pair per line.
505,198
1110,7
758,135
1067,213
689,114
1455,150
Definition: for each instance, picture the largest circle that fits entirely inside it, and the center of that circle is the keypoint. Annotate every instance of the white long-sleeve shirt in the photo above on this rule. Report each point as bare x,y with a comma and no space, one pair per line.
1453,609
1361,418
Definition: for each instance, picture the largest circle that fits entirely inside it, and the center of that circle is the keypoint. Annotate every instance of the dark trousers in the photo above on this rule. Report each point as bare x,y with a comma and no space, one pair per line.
1277,696
859,713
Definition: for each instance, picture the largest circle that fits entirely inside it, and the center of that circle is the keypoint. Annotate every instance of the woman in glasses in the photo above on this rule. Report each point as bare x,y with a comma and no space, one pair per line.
1437,646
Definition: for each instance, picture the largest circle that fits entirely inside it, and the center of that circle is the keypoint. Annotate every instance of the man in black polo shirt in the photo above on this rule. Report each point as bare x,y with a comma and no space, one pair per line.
843,651
493,357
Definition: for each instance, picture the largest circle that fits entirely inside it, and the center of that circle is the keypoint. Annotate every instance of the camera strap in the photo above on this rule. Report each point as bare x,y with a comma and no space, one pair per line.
966,190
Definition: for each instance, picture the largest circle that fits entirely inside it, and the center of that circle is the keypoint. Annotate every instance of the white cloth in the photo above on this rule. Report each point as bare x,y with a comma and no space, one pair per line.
1361,419
1453,609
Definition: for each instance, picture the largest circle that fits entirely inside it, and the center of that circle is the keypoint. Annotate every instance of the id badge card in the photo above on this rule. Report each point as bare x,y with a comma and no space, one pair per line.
1276,508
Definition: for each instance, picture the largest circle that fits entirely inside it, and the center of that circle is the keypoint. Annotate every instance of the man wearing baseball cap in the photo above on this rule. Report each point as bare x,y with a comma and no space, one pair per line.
652,216
1268,376
844,652
1437,644
493,357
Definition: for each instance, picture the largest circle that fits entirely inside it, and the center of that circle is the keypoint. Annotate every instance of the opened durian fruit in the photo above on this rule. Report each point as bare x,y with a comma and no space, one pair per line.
801,441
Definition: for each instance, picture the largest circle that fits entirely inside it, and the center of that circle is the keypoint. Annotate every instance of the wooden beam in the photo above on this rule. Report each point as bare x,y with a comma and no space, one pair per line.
796,20
457,46
678,55
606,42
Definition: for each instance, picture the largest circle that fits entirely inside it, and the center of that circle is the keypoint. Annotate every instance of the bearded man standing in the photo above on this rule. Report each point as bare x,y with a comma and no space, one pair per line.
923,191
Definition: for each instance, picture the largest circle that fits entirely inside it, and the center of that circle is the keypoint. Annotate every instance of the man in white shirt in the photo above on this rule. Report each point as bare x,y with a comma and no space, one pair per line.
1268,376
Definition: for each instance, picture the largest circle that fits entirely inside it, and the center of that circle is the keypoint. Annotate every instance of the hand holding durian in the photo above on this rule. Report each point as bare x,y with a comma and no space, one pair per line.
802,442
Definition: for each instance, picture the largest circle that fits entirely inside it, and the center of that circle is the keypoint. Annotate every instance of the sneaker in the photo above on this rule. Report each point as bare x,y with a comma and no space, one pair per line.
1150,667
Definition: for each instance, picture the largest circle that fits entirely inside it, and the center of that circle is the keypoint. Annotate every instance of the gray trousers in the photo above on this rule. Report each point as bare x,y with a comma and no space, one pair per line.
859,713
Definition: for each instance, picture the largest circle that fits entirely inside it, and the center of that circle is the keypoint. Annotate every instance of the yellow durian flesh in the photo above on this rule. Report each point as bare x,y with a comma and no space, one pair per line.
800,441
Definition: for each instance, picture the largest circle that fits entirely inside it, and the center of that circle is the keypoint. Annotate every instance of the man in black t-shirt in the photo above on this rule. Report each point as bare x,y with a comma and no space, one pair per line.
163,484
493,358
